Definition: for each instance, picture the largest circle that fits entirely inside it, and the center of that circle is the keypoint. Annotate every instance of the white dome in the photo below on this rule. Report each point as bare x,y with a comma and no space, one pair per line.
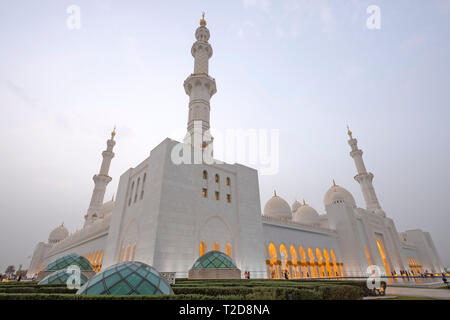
58,234
337,194
277,207
306,214
295,206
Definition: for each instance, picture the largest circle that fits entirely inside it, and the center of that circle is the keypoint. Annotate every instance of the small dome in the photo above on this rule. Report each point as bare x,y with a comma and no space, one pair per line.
337,194
214,260
306,214
58,234
295,206
277,207
68,260
127,278
60,277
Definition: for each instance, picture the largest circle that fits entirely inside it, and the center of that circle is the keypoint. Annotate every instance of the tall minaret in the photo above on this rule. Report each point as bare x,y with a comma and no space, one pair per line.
101,180
363,177
200,87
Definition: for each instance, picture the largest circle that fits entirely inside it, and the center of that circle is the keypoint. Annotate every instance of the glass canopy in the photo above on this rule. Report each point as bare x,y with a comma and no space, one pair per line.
127,278
214,260
68,260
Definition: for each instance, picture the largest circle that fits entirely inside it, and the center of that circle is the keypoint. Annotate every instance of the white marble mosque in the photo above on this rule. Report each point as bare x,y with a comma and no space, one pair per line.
167,215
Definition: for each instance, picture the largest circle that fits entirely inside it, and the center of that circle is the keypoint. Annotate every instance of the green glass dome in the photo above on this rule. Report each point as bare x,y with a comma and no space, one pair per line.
214,260
60,277
127,278
68,260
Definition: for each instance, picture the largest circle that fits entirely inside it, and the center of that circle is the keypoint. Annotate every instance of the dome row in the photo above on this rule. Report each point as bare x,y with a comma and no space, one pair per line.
277,207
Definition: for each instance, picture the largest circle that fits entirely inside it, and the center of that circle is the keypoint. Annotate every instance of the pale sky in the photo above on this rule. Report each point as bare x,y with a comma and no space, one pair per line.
306,68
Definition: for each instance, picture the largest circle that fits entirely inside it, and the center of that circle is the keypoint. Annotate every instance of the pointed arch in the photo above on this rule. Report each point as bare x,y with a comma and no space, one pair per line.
294,262
229,250
304,263
284,260
327,263
320,263
273,262
312,262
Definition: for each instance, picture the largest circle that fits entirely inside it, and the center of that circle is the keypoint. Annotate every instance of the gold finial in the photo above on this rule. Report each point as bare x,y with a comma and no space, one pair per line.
202,20
274,193
348,131
113,133
304,202
334,183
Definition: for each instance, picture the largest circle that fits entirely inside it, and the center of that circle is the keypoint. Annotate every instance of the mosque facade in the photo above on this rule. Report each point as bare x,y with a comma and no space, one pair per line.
168,214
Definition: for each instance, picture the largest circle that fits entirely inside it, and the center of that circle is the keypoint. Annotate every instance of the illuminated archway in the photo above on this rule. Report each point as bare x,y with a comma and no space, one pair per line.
273,261
335,266
327,263
202,248
229,250
383,257
312,263
294,263
284,260
369,260
216,246
320,263
304,263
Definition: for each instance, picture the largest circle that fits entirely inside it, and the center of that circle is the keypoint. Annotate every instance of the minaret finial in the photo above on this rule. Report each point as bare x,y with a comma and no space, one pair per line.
274,193
334,183
202,20
349,131
113,133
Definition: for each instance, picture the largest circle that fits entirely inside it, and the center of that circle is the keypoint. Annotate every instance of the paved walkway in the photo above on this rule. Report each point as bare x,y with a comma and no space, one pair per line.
419,292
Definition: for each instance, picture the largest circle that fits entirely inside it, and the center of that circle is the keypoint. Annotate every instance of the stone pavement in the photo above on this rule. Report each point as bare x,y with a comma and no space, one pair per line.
419,292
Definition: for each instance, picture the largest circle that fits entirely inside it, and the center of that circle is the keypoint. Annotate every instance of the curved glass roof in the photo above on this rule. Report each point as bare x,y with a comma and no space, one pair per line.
68,260
60,277
127,278
214,260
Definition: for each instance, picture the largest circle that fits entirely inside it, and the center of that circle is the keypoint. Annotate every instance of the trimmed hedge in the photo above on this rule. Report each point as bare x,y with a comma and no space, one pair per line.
259,289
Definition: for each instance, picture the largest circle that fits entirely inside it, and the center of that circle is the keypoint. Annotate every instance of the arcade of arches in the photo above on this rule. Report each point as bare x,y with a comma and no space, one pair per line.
299,263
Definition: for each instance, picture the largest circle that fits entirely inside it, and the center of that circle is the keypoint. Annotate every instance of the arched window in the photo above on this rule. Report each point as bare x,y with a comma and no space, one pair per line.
327,263
273,262
143,184
217,178
202,248
205,174
128,253
335,266
304,263
383,256
284,261
216,246
122,252
320,263
137,188
312,263
131,193
294,263
229,250
100,259
228,181
133,252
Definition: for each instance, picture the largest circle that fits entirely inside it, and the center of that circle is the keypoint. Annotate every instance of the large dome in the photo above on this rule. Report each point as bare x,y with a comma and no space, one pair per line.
127,278
68,260
306,214
214,260
277,207
61,276
337,194
58,234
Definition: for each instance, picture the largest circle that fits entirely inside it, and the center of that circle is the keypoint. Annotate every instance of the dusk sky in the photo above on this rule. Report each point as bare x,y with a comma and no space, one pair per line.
305,68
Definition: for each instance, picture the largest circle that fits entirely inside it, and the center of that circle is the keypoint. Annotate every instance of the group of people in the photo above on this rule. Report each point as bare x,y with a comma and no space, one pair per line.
247,274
